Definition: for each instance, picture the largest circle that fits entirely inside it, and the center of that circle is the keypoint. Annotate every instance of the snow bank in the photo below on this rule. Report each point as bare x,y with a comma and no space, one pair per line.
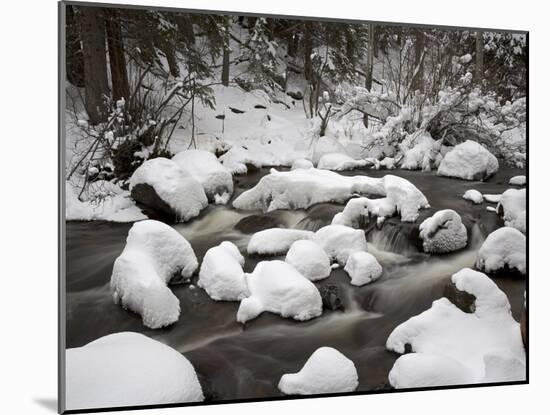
309,259
518,181
204,167
339,162
454,347
474,196
182,193
443,232
154,254
221,274
339,242
469,161
128,369
513,205
277,287
301,164
363,268
326,371
504,247
275,241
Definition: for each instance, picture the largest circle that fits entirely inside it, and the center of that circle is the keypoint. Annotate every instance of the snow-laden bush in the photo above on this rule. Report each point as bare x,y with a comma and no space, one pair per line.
339,162
419,152
339,242
363,268
309,259
473,196
275,241
468,161
513,206
505,247
443,232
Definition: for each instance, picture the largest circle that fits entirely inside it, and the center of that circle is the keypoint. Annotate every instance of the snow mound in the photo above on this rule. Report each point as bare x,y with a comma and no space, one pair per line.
469,161
339,162
420,156
301,164
339,242
277,287
443,232
326,371
482,346
492,198
204,167
518,181
221,274
504,247
405,196
154,255
513,205
363,268
275,241
388,163
182,193
474,196
128,369
309,259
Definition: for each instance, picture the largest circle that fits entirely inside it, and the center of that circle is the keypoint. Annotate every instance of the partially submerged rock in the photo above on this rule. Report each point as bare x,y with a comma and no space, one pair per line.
504,249
339,162
443,232
513,207
468,161
473,196
339,242
363,268
275,241
309,259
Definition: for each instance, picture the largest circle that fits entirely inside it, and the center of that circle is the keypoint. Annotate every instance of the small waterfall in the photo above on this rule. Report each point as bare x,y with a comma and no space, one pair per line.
393,238
318,216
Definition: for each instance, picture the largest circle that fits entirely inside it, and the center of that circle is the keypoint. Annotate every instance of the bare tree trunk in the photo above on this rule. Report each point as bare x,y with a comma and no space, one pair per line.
307,51
185,27
95,62
479,57
74,62
117,61
418,80
369,69
226,56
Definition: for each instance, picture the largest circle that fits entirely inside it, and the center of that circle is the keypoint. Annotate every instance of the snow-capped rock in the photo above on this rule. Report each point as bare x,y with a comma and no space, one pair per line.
363,268
221,274
421,153
301,164
405,196
468,161
491,198
473,196
443,232
326,371
161,185
513,206
275,241
339,242
388,163
518,181
505,247
277,287
154,255
339,162
309,259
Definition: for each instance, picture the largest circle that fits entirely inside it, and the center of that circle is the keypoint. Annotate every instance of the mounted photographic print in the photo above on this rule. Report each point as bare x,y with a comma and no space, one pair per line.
258,207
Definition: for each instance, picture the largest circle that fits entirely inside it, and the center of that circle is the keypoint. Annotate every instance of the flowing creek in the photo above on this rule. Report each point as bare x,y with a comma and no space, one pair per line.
236,361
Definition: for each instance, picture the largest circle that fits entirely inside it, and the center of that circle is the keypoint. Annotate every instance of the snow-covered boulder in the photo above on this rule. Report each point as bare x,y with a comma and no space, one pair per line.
421,153
221,274
482,346
275,241
468,161
301,164
355,211
363,268
405,196
128,369
513,206
339,242
339,162
277,287
309,259
388,163
505,247
518,181
160,184
443,232
204,167
326,371
491,198
473,196
155,254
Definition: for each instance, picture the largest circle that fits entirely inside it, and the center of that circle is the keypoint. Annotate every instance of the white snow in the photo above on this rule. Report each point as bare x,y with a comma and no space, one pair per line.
339,162
469,161
309,259
181,192
505,246
204,167
154,254
128,369
405,196
474,196
221,274
482,346
492,198
277,287
340,241
301,164
275,241
326,371
513,204
388,163
363,268
518,181
443,232
421,154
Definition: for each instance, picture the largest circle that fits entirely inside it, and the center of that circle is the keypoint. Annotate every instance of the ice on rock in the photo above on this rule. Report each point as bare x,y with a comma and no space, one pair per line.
182,193
481,346
505,247
363,268
340,241
443,232
204,167
468,161
339,162
474,196
513,205
154,255
275,241
326,371
128,369
301,164
221,274
518,181
277,287
309,259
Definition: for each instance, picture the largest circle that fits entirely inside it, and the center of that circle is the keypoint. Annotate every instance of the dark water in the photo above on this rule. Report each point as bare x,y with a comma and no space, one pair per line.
238,362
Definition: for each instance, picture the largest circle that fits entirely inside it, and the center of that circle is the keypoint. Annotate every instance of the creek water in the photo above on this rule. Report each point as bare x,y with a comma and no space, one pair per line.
236,361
